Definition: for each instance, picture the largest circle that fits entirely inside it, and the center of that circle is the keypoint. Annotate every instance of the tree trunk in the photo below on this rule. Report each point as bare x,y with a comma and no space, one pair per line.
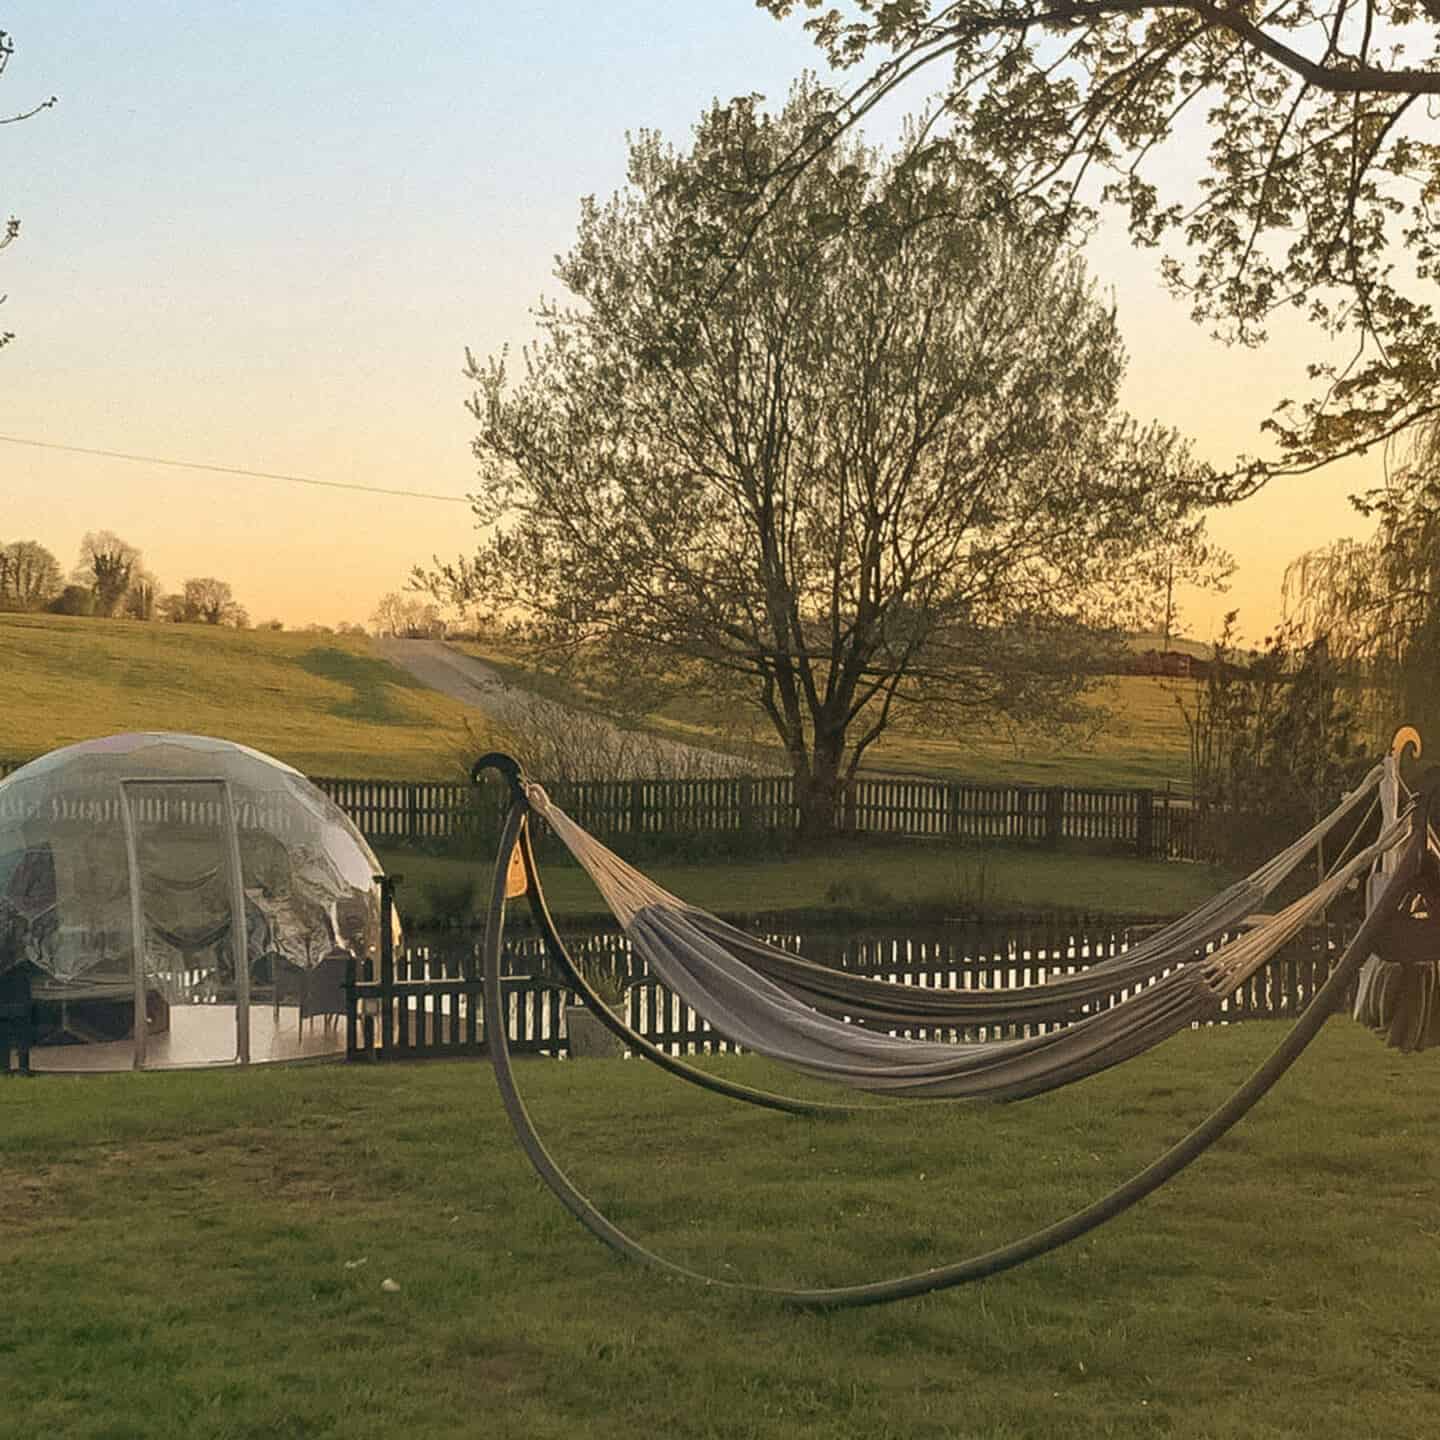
818,791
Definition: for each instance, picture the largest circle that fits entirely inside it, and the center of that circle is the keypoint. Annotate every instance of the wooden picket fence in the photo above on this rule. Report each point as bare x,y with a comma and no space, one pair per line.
1139,821
431,1002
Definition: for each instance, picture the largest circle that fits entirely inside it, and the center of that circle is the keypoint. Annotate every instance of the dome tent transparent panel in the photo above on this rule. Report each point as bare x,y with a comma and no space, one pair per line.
309,894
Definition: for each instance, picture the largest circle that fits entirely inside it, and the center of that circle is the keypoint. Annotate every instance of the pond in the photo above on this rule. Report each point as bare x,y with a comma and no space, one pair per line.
433,1006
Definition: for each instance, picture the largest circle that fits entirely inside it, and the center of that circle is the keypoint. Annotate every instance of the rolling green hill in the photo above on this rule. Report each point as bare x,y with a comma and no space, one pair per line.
324,703
329,705
1143,741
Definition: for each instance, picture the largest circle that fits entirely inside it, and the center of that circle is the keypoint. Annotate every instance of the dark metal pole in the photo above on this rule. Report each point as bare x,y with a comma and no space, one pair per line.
387,961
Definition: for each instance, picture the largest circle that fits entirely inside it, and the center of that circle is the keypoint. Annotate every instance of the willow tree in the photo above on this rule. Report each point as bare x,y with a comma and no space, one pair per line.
1318,195
878,476
1376,603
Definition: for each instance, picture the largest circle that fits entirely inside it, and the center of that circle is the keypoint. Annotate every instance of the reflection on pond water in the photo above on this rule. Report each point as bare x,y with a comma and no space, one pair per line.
434,1005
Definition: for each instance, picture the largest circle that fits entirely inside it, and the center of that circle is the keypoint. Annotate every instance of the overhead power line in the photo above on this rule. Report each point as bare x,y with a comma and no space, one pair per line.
234,470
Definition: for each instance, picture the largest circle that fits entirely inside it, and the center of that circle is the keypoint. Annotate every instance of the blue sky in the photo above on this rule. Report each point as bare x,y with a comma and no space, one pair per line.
261,235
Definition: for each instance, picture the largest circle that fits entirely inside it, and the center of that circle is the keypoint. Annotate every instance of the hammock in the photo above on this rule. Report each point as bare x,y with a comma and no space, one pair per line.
800,1014
769,1001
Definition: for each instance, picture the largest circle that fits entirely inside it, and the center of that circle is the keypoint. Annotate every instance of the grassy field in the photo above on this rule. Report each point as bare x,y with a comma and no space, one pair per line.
323,703
878,882
203,1255
1143,741
329,705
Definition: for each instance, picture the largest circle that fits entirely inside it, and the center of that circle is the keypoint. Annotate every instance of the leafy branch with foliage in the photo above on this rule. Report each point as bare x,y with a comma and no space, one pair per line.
12,225
1376,603
1321,194
1274,742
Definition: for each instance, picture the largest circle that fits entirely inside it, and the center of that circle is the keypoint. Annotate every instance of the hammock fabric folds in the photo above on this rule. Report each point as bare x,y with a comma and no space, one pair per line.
804,1015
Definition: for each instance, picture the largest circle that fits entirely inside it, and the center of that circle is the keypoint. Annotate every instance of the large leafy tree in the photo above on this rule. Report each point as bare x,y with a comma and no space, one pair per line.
29,575
878,475
107,566
1322,190
208,601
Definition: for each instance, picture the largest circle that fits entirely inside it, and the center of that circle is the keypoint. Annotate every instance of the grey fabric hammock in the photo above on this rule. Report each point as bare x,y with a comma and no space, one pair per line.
721,972
707,962
803,1014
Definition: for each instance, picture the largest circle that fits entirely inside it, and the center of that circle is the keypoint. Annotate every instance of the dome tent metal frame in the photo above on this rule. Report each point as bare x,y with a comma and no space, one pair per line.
170,847
235,882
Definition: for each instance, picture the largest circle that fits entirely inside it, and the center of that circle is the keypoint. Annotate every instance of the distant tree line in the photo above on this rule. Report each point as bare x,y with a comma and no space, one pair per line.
408,617
109,581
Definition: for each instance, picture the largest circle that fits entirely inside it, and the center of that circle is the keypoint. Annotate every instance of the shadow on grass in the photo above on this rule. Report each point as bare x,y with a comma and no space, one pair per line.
370,682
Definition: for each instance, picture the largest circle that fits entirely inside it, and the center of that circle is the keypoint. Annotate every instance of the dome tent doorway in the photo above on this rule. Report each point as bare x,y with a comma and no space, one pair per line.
133,867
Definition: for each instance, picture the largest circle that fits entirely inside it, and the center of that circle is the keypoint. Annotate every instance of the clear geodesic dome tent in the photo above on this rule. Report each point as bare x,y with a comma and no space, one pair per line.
182,843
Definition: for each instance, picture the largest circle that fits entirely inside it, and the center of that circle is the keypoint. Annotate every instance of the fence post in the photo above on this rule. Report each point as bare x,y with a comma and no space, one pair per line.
1054,815
1145,823
637,807
747,805
352,1036
952,811
387,885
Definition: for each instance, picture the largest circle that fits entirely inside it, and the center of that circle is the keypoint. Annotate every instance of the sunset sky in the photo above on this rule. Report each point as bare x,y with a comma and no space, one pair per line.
260,236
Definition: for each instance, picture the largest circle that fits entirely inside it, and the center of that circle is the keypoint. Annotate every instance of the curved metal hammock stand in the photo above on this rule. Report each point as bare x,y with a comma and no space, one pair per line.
516,876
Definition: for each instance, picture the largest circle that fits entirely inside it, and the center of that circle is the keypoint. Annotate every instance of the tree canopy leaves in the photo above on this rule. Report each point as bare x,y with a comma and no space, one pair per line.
29,575
1322,191
1376,603
107,564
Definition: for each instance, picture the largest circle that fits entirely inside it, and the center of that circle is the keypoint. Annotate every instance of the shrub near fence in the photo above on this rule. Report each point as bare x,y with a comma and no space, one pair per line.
1145,822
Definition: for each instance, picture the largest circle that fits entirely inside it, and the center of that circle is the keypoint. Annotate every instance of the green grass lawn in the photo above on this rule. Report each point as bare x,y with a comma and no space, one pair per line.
1142,743
324,703
876,881
202,1255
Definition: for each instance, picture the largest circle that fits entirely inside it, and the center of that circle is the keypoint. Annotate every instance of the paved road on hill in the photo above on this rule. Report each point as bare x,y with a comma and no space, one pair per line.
462,677
472,682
